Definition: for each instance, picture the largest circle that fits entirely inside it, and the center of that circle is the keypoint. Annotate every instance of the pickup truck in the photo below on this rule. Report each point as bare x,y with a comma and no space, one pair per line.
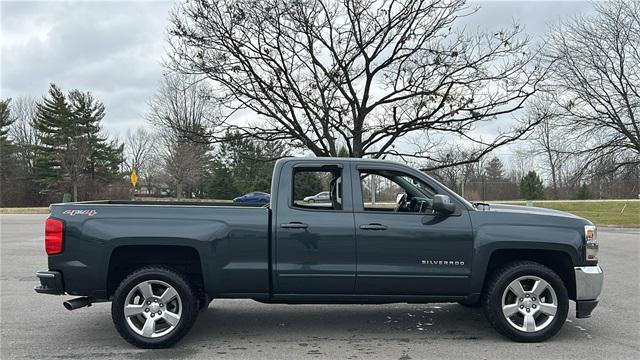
389,233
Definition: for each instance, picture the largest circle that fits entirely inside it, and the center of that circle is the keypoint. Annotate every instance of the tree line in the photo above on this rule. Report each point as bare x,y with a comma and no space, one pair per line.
394,79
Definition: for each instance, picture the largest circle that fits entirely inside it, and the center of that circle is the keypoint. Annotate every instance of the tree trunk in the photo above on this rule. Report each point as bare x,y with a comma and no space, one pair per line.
179,191
75,191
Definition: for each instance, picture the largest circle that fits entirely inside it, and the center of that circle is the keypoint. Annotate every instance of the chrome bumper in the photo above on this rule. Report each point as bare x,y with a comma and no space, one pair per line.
589,281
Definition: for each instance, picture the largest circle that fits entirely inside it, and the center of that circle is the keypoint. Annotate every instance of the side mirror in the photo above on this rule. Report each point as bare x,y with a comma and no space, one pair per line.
442,203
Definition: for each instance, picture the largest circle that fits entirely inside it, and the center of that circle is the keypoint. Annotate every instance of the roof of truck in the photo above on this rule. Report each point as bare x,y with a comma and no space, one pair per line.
342,159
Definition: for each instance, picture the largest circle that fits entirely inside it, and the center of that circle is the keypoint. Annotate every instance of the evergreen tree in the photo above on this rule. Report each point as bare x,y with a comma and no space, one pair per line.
343,152
105,157
494,170
531,187
54,126
584,193
220,184
72,147
5,119
7,158
250,162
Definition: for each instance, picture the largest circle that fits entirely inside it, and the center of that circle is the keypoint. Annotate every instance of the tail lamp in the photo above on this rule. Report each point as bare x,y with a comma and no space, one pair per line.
53,229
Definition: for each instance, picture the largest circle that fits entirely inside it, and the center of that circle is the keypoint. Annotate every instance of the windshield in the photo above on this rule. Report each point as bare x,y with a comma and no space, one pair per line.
453,193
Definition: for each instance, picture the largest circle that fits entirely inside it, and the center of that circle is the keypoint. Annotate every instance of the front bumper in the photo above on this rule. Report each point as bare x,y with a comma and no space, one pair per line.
589,280
50,283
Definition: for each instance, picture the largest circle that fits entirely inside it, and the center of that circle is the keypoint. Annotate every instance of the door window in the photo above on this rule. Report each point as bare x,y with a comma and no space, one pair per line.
319,189
395,191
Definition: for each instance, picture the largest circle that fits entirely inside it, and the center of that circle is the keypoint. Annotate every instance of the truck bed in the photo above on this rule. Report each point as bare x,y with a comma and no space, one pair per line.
232,242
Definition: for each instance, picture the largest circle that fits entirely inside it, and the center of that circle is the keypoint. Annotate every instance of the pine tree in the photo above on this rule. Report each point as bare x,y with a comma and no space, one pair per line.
343,152
494,170
5,119
7,158
584,193
54,125
531,187
72,147
105,157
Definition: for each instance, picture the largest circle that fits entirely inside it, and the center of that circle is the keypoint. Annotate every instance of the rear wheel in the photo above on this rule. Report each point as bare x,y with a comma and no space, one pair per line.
526,301
154,307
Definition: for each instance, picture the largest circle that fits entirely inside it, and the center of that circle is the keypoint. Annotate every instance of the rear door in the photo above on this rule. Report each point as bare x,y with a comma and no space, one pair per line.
406,249
315,242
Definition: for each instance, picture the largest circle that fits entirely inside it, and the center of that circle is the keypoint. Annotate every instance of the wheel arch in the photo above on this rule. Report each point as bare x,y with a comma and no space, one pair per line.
125,259
558,260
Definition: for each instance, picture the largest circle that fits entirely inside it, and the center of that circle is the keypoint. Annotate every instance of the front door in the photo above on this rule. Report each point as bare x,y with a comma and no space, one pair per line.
403,248
315,241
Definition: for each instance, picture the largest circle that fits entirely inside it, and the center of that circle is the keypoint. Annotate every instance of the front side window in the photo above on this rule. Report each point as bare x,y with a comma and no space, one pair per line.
319,189
395,191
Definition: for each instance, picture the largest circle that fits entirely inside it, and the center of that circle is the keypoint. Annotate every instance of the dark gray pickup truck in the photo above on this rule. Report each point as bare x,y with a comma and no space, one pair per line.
389,233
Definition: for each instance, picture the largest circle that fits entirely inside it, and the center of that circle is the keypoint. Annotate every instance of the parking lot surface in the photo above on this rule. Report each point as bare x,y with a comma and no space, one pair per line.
38,327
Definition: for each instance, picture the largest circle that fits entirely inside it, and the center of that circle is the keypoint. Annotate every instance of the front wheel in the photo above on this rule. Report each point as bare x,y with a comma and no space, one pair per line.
526,302
154,307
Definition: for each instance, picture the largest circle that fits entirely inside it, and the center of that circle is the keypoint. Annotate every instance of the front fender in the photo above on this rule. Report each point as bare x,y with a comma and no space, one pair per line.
490,238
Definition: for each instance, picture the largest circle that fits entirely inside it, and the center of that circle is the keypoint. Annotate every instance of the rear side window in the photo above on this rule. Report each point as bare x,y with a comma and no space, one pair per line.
319,189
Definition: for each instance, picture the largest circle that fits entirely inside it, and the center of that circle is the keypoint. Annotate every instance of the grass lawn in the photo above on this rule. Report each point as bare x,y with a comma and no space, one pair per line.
25,210
602,213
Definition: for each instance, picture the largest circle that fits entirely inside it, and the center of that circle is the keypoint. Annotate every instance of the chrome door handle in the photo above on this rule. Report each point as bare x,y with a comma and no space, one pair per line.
375,227
294,225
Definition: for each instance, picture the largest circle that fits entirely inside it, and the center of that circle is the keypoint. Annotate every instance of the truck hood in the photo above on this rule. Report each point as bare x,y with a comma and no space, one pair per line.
525,210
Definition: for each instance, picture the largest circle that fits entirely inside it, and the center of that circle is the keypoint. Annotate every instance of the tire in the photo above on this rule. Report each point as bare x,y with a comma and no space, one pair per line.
146,291
540,309
311,201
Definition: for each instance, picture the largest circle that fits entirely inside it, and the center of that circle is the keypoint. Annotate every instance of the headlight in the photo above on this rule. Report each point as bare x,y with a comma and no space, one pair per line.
591,237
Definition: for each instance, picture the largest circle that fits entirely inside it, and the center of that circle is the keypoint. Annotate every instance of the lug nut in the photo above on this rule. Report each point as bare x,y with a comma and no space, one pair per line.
521,299
521,306
533,306
161,304
534,299
148,302
155,300
159,312
152,314
147,309
527,311
527,295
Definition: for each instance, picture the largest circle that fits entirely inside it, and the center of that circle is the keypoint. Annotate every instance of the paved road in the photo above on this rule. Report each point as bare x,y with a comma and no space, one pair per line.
38,327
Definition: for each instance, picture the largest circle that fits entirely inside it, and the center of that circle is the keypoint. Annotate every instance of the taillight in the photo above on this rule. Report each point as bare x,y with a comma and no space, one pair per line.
53,236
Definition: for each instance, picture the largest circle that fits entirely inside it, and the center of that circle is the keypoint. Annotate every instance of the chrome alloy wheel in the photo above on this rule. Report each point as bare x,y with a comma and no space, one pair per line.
529,304
153,308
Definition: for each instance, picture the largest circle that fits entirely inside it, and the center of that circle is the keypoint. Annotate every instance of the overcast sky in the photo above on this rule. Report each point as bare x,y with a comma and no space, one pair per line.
115,48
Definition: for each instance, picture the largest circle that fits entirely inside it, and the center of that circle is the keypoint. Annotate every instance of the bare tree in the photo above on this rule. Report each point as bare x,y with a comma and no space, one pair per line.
139,147
596,80
548,141
185,163
23,134
360,73
179,110
182,105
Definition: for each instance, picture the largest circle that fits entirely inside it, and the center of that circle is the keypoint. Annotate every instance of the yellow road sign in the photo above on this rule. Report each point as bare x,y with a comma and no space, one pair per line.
134,177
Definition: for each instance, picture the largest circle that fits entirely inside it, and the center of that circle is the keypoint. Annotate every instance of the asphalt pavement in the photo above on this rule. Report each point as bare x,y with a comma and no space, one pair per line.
37,326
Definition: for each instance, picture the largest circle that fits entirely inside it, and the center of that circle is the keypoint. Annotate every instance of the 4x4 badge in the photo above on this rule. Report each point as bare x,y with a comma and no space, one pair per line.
80,212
